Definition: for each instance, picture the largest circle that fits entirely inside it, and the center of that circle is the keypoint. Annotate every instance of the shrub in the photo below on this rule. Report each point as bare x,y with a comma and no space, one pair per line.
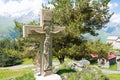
9,58
89,73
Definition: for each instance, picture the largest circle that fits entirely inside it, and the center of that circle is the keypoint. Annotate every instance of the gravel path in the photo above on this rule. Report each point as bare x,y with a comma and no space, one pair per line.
18,66
110,71
25,66
56,64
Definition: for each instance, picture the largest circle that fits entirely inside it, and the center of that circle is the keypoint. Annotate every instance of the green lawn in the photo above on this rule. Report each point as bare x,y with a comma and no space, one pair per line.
113,67
114,76
27,73
29,76
6,73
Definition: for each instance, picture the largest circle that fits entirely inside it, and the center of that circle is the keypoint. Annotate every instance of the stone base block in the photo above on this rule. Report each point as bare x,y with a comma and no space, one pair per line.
49,77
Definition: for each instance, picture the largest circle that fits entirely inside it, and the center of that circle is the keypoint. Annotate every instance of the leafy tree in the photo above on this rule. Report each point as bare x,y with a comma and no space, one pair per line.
9,53
25,43
61,46
90,47
99,48
19,26
81,16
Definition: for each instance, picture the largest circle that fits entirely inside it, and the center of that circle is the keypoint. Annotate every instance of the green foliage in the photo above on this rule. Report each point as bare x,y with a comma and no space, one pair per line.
25,43
101,49
61,46
9,58
81,16
9,53
27,61
90,73
75,48
18,26
89,47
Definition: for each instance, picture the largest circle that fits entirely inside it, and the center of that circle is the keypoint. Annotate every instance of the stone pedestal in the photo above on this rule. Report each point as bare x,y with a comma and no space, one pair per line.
49,77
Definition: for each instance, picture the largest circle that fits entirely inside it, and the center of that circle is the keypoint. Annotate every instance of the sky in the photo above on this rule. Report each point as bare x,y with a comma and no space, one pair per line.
114,24
17,8
29,9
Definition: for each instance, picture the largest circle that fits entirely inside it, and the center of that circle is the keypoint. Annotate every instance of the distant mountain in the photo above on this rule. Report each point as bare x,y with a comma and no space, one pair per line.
28,18
6,24
102,36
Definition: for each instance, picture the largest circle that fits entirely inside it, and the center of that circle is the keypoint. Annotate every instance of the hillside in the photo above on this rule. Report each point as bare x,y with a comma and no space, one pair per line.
6,24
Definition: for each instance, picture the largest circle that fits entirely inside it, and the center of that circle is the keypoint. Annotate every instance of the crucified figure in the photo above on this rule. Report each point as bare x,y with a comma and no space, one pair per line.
46,51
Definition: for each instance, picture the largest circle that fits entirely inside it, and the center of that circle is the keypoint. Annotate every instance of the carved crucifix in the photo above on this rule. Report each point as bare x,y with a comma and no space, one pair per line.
45,31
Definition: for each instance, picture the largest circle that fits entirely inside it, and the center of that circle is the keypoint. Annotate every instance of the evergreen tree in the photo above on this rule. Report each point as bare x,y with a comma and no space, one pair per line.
81,16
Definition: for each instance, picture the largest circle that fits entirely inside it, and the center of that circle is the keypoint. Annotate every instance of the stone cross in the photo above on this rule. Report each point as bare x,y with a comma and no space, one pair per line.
45,31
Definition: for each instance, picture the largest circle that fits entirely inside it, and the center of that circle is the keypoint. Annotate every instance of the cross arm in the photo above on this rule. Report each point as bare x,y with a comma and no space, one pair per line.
58,30
31,29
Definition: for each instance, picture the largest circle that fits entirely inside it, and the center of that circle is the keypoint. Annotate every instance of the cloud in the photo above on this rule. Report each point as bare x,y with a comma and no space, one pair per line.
115,19
114,24
16,8
113,5
113,27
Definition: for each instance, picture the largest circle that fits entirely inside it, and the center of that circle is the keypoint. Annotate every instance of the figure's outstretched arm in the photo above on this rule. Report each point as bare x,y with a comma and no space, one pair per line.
29,30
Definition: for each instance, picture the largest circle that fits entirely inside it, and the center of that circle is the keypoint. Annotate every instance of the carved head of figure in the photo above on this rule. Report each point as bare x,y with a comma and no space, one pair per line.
47,29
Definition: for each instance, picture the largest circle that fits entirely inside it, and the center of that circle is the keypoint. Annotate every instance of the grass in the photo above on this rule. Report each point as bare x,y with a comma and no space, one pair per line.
6,73
113,67
54,59
114,76
71,75
27,61
28,76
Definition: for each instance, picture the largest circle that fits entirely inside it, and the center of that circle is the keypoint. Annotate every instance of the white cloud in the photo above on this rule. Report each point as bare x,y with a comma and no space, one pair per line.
113,5
18,8
115,24
115,18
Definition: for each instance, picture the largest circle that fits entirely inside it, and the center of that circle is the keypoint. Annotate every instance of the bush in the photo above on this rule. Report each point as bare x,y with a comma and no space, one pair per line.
89,73
9,58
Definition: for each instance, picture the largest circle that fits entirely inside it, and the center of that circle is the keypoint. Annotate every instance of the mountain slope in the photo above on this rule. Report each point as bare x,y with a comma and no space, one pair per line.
6,24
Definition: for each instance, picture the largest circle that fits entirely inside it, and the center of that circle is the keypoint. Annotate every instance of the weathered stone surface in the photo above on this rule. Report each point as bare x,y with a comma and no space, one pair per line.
45,17
46,31
49,77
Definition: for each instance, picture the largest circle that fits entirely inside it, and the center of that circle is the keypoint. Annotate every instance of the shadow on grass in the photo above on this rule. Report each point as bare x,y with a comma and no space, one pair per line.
62,71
